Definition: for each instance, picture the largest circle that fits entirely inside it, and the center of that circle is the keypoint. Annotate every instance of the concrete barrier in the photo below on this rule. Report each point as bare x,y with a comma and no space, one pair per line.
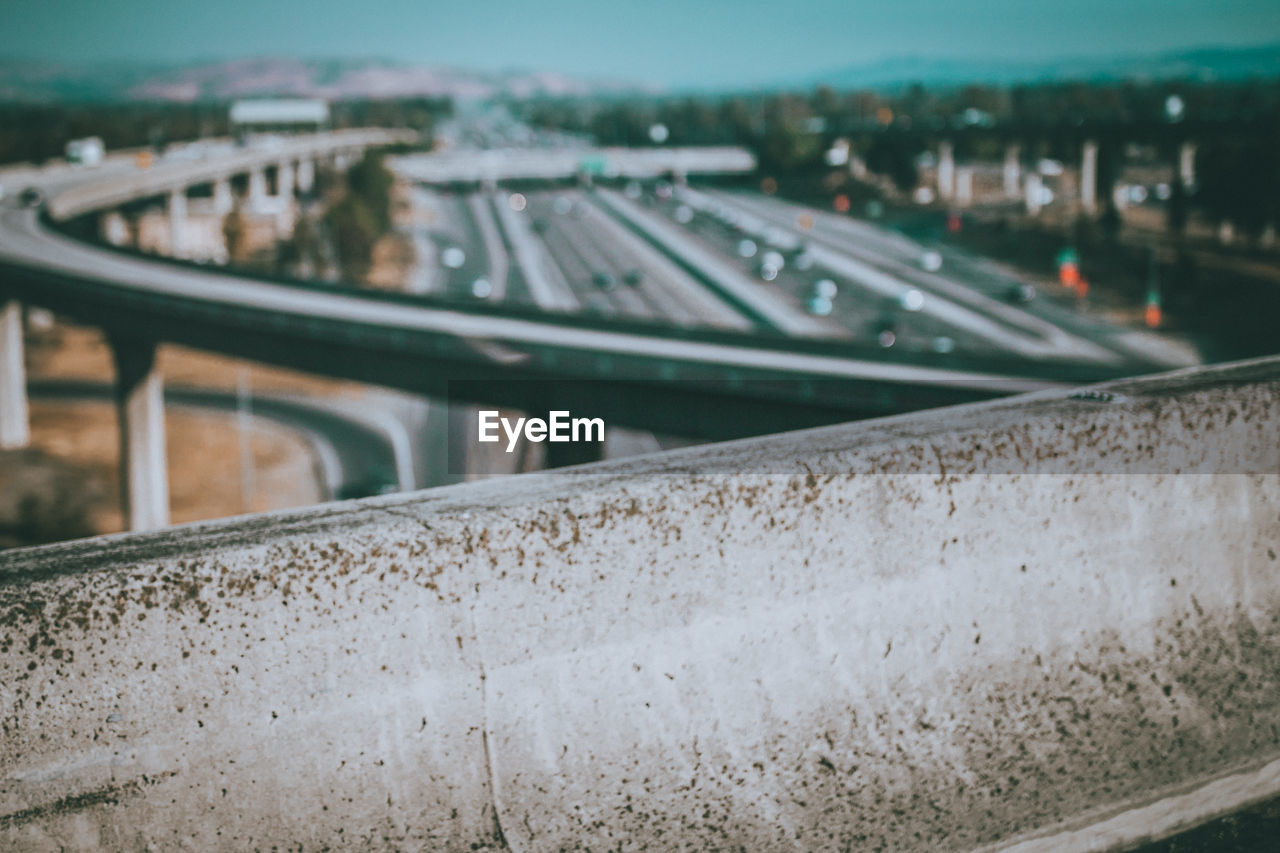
1050,621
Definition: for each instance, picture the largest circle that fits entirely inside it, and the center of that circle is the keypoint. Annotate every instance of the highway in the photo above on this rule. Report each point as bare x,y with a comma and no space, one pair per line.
585,243
880,280
693,316
967,293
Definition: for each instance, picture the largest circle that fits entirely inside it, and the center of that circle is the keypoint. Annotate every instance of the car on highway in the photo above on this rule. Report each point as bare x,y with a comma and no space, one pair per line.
632,277
886,329
541,226
818,306
30,197
1021,293
604,280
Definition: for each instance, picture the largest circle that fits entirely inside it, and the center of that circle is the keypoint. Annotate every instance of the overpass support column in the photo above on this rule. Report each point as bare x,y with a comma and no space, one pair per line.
284,199
1012,171
306,175
14,429
177,222
222,199
964,187
144,475
1089,179
1033,186
257,187
284,179
946,171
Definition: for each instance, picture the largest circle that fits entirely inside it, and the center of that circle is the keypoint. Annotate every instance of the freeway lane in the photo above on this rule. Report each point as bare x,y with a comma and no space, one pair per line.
584,241
747,295
969,292
545,281
975,319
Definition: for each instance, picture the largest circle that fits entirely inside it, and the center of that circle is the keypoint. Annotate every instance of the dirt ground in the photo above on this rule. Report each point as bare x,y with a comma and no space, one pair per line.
210,475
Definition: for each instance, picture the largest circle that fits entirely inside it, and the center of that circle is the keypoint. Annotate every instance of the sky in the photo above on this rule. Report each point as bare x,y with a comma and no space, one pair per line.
664,42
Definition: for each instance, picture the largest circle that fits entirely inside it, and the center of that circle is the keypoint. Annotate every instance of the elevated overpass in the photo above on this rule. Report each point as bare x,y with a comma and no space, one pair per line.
695,383
1049,623
553,164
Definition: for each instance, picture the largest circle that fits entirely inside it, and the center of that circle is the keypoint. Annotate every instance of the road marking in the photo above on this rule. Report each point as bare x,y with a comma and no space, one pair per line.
495,252
681,294
546,285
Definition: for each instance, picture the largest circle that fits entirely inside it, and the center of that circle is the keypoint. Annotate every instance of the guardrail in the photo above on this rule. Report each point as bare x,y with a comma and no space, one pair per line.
1050,621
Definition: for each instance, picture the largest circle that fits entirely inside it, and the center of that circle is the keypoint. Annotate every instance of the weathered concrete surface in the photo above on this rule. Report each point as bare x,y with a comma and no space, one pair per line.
949,631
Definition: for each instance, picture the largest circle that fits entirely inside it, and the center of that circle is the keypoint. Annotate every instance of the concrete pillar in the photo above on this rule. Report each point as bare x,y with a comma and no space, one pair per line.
177,222
964,187
284,180
1012,171
1032,187
144,475
257,187
14,427
115,228
1089,179
284,199
222,198
946,171
1187,164
306,175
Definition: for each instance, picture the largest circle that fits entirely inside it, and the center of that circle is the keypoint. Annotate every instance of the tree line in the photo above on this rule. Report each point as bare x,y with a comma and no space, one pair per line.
1236,126
35,133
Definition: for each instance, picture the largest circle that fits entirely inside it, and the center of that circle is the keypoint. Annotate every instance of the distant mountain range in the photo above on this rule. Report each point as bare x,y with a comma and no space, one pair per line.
335,79
1199,64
